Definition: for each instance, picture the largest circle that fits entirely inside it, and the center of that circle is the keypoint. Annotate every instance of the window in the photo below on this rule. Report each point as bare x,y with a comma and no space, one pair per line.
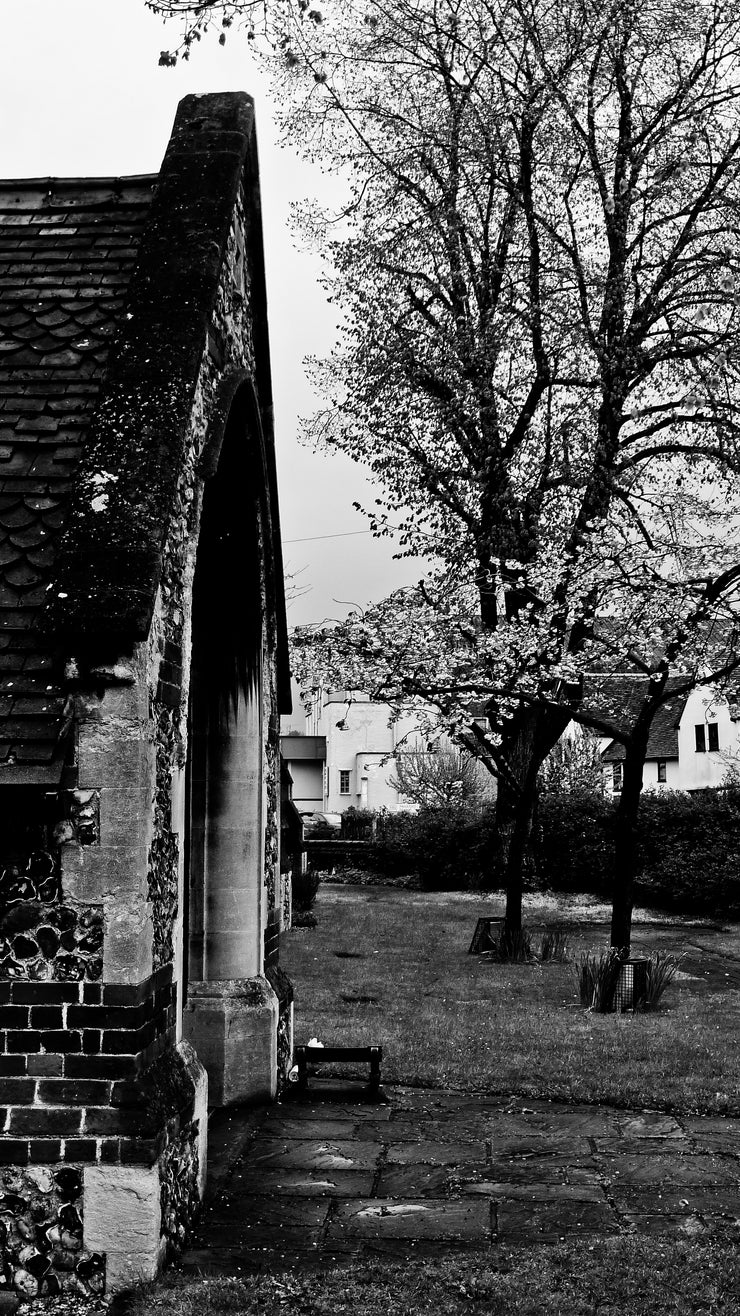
713,729
343,782
661,770
701,744
616,776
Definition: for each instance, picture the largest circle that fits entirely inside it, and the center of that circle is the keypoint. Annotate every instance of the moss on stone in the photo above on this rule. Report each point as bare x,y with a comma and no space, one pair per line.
110,565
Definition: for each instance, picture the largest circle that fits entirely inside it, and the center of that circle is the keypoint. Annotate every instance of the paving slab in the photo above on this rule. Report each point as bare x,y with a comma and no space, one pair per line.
683,1226
354,1112
246,1211
537,1222
660,1168
284,1126
301,1183
236,1260
535,1143
320,1179
434,1103
418,1219
545,1167
590,1122
724,1143
229,1134
539,1192
684,1200
422,1152
349,1250
649,1124
644,1146
416,1181
402,1128
314,1154
272,1224
707,1124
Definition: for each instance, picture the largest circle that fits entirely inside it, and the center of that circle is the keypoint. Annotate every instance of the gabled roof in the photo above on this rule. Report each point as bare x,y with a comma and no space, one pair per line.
107,293
67,250
618,700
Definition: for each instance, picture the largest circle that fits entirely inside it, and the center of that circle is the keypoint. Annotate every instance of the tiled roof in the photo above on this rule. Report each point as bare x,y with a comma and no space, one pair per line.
67,249
619,698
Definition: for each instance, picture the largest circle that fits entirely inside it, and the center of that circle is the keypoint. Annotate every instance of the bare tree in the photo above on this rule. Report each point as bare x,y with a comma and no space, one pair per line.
537,270
441,775
539,283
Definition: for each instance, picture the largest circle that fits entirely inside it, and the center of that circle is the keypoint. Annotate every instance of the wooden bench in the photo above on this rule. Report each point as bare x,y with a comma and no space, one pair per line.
316,1055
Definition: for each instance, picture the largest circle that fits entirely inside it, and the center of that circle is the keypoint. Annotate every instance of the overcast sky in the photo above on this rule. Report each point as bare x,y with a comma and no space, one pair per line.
81,93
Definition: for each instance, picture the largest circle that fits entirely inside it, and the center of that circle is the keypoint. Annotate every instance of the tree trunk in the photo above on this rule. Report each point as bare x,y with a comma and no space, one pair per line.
518,858
530,737
625,843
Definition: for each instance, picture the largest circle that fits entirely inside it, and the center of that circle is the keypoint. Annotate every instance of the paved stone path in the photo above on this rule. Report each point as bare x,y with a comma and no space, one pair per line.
317,1180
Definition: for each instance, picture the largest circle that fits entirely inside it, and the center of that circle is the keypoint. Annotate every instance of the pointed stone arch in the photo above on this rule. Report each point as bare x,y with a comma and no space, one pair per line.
231,1012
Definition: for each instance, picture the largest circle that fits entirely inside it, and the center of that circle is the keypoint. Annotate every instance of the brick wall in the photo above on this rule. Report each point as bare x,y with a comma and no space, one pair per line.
72,1062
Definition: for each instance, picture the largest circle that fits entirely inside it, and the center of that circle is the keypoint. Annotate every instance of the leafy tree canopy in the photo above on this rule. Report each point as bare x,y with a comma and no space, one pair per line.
538,275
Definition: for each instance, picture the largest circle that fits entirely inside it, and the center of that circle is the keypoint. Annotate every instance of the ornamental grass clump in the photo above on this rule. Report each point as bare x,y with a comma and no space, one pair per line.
305,889
598,974
660,969
554,946
598,977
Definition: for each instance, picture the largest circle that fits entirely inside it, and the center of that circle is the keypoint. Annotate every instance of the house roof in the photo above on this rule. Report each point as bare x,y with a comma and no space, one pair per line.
618,700
107,291
67,249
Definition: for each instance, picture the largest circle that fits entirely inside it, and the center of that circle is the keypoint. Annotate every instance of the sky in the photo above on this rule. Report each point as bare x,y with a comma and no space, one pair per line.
81,93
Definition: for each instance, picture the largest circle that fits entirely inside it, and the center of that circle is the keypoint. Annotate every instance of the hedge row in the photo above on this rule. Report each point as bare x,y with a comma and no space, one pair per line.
450,849
689,848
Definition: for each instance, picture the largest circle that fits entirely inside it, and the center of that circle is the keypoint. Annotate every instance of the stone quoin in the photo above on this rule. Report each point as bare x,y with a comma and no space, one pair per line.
143,670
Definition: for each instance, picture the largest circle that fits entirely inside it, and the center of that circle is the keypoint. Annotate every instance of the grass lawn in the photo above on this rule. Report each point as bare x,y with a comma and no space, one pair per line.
391,967
611,1277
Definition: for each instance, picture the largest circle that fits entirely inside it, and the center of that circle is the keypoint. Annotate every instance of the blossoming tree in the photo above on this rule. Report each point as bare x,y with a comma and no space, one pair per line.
538,365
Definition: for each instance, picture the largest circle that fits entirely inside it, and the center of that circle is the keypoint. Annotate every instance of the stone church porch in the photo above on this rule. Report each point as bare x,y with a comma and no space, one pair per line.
143,669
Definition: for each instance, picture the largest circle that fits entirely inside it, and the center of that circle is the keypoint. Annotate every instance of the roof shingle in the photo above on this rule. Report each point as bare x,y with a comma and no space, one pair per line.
619,698
67,250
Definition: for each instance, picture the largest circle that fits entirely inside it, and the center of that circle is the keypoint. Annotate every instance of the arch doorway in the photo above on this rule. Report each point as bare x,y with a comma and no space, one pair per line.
230,1012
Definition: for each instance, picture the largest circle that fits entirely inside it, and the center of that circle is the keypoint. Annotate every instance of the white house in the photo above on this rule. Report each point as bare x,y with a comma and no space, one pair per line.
305,759
340,752
343,751
694,740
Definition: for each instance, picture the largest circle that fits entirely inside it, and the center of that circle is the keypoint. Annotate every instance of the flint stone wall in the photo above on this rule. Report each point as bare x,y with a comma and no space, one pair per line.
41,1235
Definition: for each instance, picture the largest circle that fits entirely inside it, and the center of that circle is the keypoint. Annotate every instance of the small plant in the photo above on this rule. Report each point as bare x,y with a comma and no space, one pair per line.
304,919
598,974
358,824
554,946
660,969
305,889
